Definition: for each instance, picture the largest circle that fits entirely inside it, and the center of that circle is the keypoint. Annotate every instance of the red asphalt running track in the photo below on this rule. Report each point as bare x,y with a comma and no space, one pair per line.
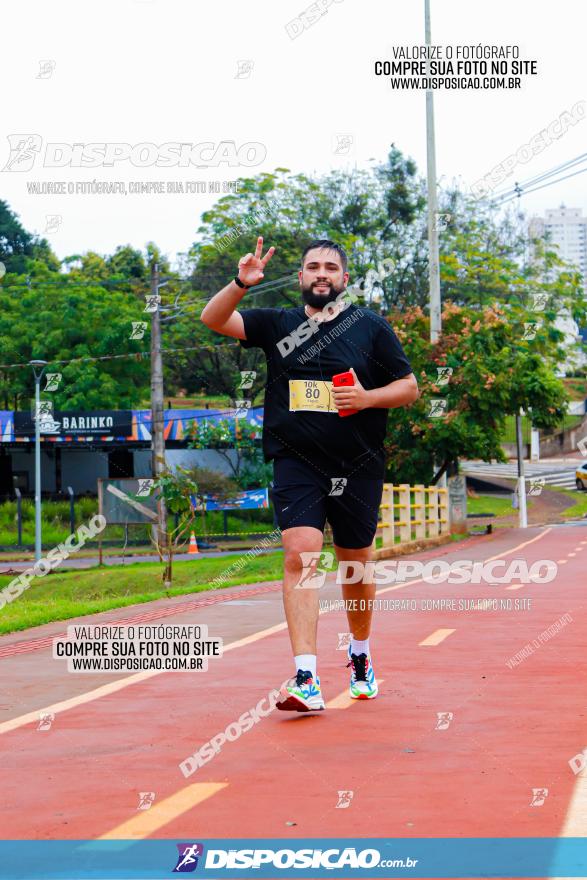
513,729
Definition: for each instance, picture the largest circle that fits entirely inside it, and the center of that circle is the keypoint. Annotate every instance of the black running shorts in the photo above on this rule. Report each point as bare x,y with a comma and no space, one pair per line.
304,494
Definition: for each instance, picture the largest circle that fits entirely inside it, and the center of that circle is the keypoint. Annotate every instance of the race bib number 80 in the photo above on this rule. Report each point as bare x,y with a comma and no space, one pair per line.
311,395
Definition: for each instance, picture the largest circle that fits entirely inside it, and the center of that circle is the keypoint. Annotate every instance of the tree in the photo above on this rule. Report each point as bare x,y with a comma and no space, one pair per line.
176,488
354,208
18,248
238,436
495,372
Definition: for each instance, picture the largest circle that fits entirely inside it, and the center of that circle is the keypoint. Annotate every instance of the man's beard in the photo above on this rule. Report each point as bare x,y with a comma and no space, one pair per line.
319,300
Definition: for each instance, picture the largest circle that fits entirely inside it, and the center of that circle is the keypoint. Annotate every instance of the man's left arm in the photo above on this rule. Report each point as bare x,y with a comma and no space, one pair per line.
400,392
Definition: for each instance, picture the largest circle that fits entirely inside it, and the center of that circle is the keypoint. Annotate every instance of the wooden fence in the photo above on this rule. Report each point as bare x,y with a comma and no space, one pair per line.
412,513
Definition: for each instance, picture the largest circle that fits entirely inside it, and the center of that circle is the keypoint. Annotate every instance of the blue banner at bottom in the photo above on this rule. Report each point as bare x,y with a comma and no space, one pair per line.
535,857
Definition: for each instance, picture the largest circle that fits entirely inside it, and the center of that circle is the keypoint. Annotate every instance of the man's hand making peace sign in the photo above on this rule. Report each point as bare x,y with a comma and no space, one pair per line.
251,266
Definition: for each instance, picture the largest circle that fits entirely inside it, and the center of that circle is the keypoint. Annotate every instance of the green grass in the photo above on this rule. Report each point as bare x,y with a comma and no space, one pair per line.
495,504
509,434
56,527
67,594
579,499
75,593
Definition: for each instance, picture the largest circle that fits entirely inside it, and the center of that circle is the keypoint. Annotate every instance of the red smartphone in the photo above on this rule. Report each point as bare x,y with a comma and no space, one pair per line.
344,380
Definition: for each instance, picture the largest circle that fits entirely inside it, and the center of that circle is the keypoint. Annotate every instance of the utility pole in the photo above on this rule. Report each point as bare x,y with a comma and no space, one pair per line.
434,267
159,531
522,514
38,370
433,260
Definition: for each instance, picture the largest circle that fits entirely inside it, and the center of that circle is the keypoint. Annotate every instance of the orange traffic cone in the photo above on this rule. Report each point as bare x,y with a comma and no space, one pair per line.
193,544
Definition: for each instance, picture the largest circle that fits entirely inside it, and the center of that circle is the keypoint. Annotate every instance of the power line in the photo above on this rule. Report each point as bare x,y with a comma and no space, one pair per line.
138,355
530,181
64,282
543,186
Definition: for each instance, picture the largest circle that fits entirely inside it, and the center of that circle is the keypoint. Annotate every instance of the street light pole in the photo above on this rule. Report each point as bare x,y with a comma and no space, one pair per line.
433,254
433,250
522,511
38,375
159,531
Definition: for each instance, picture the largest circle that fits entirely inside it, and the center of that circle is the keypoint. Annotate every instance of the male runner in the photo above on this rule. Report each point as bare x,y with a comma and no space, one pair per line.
326,466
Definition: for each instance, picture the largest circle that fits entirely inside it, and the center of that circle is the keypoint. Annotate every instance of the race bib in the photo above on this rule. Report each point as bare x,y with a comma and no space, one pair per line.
311,395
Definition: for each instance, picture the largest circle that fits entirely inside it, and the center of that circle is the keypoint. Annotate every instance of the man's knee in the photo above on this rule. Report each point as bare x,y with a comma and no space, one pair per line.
302,549
292,560
364,554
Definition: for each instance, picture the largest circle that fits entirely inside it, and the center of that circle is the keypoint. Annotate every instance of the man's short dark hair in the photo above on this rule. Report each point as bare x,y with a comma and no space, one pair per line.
326,244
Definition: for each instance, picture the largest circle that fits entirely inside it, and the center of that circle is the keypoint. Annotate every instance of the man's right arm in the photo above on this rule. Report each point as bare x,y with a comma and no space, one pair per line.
220,313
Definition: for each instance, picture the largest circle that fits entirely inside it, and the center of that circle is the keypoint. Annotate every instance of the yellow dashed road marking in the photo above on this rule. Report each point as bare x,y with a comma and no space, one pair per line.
344,700
438,636
148,821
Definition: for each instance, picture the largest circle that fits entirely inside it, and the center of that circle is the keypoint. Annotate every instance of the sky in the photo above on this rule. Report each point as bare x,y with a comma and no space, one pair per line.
160,71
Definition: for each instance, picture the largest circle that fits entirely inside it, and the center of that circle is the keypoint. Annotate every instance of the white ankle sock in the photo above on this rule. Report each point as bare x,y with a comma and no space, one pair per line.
359,647
306,662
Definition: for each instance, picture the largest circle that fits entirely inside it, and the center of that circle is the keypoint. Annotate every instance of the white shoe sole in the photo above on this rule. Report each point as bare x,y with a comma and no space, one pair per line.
291,703
365,696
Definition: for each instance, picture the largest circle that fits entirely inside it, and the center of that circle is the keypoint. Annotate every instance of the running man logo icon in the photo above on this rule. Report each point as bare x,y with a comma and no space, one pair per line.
443,375
53,380
342,144
538,301
244,68
187,861
444,719
536,486
344,640
146,799
53,222
530,330
441,221
45,408
242,407
309,581
23,151
437,408
338,484
138,329
344,799
46,68
145,487
46,719
152,302
247,379
538,796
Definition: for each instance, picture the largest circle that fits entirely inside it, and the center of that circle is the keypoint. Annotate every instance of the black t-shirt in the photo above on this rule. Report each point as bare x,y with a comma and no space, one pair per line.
356,338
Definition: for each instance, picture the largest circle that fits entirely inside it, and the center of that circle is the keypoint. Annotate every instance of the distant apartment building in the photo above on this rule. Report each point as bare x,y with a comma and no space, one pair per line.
566,230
